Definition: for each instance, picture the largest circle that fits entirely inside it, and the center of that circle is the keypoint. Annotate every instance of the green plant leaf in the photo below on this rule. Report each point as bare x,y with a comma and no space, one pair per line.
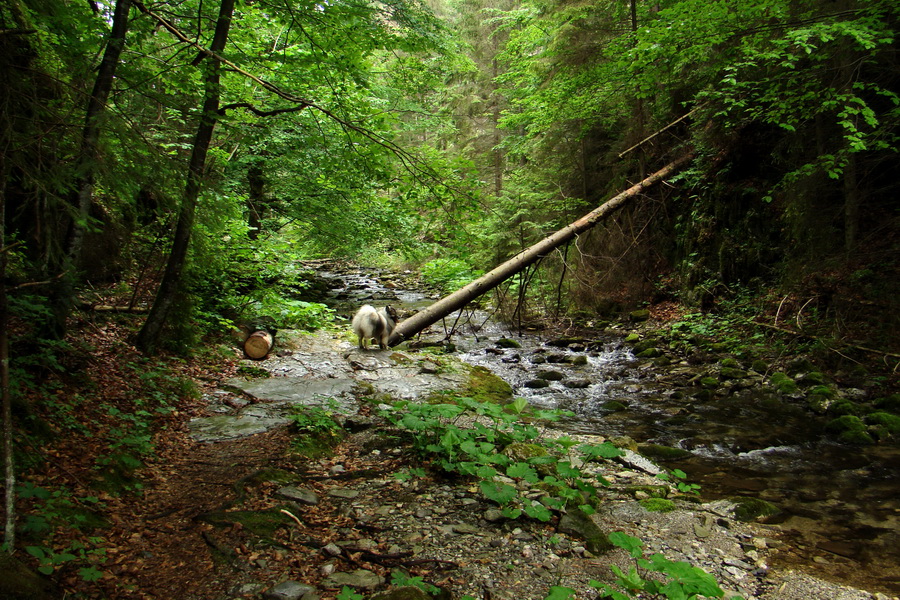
498,492
560,593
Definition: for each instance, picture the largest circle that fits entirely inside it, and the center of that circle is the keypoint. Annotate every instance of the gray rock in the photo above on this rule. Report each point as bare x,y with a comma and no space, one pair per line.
493,515
464,528
535,384
297,494
359,579
579,524
577,384
345,494
288,590
551,375
636,461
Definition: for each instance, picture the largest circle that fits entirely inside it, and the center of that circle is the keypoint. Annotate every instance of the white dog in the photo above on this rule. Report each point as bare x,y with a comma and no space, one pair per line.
374,324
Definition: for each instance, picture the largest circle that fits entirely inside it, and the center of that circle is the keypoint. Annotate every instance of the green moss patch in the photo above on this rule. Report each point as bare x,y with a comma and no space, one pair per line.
263,523
484,386
662,505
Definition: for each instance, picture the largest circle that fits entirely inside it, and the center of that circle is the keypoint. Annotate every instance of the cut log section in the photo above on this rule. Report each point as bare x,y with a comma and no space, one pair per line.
259,344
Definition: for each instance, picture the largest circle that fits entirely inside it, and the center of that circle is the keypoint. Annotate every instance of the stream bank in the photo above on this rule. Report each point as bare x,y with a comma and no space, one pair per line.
358,522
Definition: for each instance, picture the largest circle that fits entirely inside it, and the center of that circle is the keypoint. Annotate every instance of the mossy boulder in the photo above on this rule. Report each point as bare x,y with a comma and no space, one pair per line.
624,442
579,360
614,406
890,422
18,582
263,523
507,343
407,592
800,365
748,509
843,406
484,386
640,315
632,338
658,452
523,452
783,383
649,353
890,404
850,429
730,363
579,524
709,382
760,366
812,378
732,373
645,344
536,384
551,375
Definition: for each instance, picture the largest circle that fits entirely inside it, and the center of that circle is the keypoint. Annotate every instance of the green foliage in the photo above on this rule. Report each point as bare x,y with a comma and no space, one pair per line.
447,274
401,579
347,593
501,448
680,580
683,486
317,430
55,510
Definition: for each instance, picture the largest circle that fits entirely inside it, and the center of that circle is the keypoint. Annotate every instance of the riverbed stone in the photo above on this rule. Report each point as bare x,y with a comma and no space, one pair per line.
733,373
551,375
577,384
748,509
289,590
298,494
579,525
640,315
536,384
360,579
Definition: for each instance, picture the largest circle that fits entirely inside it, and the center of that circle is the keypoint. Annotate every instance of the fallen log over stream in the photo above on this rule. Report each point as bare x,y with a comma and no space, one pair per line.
492,279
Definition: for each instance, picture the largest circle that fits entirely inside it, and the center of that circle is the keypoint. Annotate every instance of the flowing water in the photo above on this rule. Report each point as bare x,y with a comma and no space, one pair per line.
840,502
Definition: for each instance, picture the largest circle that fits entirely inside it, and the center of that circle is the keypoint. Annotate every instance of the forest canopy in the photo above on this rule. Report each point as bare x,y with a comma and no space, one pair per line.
191,153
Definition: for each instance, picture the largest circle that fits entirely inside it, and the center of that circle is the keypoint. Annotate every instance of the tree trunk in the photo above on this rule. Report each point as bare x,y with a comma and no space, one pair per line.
256,183
63,292
9,471
489,281
150,333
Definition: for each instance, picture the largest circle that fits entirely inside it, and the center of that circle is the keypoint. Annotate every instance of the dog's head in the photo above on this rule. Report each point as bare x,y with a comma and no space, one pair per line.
392,312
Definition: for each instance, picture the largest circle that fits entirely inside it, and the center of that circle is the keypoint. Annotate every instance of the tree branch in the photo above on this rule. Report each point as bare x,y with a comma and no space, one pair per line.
653,135
259,112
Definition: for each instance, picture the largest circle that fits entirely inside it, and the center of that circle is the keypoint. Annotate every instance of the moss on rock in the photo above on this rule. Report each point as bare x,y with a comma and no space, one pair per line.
661,505
484,386
658,452
753,509
783,383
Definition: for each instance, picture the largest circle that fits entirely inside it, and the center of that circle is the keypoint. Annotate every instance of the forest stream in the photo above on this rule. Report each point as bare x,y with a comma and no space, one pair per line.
838,503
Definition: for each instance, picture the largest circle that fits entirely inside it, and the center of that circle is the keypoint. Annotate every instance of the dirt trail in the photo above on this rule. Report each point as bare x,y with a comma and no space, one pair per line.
162,549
